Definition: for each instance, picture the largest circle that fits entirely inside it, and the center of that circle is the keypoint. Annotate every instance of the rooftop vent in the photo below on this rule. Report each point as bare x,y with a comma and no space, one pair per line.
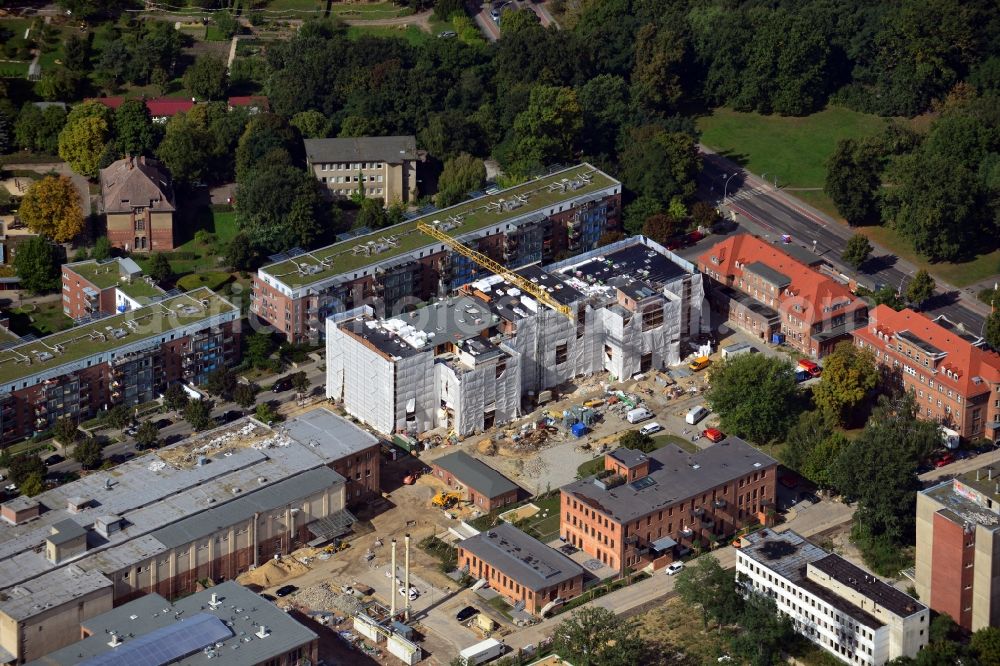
262,632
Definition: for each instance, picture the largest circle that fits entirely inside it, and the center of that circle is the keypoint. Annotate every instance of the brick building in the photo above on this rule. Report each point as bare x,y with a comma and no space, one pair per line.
521,568
954,376
138,200
562,214
193,629
483,486
646,509
105,287
958,541
125,359
767,290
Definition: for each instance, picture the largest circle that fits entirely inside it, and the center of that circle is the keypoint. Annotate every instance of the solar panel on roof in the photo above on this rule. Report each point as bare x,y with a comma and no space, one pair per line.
644,482
166,644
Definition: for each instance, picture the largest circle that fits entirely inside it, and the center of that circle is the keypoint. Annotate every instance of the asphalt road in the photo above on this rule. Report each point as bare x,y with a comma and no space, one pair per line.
491,30
770,212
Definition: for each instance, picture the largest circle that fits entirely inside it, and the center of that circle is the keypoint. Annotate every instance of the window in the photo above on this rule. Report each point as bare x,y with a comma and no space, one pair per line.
561,354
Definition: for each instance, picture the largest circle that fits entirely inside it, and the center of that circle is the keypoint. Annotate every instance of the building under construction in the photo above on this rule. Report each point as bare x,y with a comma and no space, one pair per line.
479,357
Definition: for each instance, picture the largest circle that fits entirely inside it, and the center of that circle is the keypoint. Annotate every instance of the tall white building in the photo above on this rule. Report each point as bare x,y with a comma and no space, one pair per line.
840,607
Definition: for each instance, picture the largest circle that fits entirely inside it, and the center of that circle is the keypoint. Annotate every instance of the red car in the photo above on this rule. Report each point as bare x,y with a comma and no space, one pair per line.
945,459
713,434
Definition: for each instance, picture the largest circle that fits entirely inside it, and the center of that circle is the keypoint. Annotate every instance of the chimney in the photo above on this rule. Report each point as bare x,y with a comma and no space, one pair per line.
392,583
406,578
262,632
214,603
989,473
977,474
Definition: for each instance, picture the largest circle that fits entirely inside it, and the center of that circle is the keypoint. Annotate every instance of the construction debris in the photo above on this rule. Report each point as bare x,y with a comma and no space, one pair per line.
273,572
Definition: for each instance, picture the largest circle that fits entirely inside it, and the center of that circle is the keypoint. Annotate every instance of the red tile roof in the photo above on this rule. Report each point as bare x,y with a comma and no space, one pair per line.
808,286
260,101
962,357
157,107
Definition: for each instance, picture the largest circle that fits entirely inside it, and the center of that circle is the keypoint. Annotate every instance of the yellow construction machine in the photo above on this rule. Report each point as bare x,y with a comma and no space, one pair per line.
445,500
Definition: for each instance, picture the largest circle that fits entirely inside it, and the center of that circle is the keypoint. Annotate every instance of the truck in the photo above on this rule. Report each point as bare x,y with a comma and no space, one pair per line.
812,368
638,414
482,652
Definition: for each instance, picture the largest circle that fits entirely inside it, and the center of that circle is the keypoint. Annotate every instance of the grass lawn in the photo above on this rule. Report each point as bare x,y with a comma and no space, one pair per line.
547,528
214,280
213,34
296,5
224,225
39,318
982,267
793,149
597,464
501,605
13,70
411,33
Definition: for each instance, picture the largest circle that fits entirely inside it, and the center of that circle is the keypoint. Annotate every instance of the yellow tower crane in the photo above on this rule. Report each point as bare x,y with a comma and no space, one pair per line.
527,286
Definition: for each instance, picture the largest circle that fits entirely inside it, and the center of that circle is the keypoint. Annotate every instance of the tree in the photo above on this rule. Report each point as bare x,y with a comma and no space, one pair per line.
226,23
51,208
134,131
198,413
76,53
118,416
660,165
755,396
850,374
921,288
856,251
443,9
597,637
462,174
206,78
546,131
514,21
659,64
147,436
175,398
102,249
992,329
81,143
245,395
886,295
88,453
704,215
635,440
661,227
266,414
706,585
300,382
6,134
311,124
59,84
637,212
33,485
853,178
764,632
279,207
371,214
23,466
221,382
37,265
160,269
259,347
986,646
65,431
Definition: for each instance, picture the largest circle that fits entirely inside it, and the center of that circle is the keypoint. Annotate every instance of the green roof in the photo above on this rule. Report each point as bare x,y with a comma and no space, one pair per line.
140,289
100,275
479,213
106,334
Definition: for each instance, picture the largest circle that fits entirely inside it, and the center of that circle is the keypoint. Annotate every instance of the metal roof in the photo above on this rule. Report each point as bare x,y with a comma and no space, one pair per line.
158,627
522,558
475,474
777,278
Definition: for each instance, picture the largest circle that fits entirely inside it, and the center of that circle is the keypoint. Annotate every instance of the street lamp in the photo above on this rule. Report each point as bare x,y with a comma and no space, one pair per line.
726,187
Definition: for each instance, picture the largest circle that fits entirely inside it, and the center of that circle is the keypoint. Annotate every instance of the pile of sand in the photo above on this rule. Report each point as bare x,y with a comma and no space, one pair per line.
273,572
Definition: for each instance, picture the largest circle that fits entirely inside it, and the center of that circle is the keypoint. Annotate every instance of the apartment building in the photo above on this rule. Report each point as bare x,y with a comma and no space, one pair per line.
91,288
534,577
840,607
210,507
958,539
477,359
205,625
953,374
392,269
776,294
127,359
378,166
481,485
138,200
645,510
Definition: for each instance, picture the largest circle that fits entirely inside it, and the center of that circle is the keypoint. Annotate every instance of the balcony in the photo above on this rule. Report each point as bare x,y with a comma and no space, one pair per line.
698,512
719,503
687,532
707,521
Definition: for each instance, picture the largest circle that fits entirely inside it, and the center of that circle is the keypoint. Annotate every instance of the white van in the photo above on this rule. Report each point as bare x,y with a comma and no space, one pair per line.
638,414
696,414
650,428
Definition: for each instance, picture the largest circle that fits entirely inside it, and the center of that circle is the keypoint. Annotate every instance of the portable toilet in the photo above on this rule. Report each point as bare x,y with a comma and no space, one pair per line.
579,429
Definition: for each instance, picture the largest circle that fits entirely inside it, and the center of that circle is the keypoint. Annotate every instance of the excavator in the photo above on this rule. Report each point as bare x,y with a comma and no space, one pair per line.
445,500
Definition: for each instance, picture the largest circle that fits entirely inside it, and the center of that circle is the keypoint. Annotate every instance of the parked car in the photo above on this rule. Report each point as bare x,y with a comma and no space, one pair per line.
446,34
285,590
945,459
163,423
269,597
713,434
54,459
282,385
650,428
675,568
467,613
